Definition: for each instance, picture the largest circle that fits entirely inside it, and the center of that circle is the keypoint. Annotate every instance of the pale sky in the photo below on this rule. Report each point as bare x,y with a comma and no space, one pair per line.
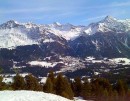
78,12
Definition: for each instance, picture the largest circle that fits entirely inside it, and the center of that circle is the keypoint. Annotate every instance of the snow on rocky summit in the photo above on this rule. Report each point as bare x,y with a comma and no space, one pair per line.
13,34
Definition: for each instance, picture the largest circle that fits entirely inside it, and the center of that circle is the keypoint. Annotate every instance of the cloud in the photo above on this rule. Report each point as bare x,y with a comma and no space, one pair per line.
120,4
94,18
28,10
63,10
111,5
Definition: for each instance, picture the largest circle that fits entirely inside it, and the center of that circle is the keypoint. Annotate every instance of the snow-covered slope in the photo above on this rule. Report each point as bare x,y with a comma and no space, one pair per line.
31,96
67,31
108,24
13,34
9,39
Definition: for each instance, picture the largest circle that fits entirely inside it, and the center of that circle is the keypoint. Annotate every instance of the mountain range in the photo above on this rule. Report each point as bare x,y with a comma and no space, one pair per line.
22,44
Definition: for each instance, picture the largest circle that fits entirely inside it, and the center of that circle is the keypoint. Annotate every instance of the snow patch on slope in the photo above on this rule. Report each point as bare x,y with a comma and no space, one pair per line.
123,61
29,96
9,39
67,31
42,63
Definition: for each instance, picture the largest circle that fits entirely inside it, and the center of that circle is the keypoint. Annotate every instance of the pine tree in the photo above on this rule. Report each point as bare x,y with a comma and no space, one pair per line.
53,80
1,78
32,83
19,83
51,76
128,96
48,87
77,86
101,88
114,96
1,70
120,87
63,87
86,89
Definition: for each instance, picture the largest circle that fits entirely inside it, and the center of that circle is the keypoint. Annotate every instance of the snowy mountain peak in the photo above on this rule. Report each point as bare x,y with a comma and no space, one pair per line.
30,25
57,23
9,24
109,19
12,22
109,23
14,34
112,24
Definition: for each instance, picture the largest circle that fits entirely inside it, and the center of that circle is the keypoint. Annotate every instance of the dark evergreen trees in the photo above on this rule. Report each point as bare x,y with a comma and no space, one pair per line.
48,87
77,86
1,85
32,83
63,87
120,88
86,89
19,83
101,89
52,77
98,89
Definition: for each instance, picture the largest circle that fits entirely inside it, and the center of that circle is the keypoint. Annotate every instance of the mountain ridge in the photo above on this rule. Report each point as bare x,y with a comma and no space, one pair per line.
66,47
20,34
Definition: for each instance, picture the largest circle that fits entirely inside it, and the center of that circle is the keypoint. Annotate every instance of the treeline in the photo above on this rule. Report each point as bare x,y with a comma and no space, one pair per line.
98,89
28,82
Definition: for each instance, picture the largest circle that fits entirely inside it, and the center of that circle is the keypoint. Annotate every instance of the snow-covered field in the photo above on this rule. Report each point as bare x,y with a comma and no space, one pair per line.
123,61
31,96
42,63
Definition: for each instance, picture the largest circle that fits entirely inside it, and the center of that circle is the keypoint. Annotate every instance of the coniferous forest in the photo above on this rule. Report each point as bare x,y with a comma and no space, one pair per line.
97,89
